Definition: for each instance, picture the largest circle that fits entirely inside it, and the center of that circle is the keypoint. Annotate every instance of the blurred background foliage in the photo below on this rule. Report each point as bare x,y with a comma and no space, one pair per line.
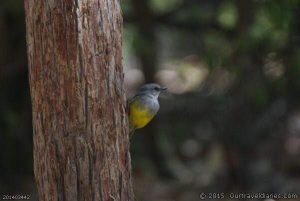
230,121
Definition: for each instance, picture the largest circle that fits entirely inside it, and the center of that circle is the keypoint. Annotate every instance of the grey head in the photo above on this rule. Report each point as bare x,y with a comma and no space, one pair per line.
152,90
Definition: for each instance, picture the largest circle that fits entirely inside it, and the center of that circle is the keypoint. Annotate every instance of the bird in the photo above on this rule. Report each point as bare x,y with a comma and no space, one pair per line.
144,106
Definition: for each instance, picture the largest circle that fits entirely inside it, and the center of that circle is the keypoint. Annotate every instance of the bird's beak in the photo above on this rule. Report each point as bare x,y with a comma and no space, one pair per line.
163,88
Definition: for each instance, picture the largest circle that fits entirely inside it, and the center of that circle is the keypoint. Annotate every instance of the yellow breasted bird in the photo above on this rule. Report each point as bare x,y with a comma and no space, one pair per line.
144,106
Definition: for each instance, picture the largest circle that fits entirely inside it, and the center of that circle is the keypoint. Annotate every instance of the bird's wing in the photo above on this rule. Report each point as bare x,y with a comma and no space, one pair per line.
129,101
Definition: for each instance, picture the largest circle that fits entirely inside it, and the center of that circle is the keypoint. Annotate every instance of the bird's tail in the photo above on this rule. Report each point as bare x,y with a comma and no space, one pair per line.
131,130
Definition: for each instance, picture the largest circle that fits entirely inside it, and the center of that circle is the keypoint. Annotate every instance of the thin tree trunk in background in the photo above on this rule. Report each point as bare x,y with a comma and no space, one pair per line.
78,103
148,57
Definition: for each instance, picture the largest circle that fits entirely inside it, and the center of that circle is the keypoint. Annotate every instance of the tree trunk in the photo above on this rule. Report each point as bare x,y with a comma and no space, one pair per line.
81,145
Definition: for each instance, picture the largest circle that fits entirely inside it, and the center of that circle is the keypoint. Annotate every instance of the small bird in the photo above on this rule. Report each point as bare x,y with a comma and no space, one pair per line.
144,106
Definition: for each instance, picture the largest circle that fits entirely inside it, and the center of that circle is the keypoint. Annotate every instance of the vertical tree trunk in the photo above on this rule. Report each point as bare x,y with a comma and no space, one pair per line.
148,57
80,126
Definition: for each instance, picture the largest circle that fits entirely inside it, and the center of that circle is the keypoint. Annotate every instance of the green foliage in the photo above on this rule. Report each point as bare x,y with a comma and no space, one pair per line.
260,96
228,15
217,46
165,5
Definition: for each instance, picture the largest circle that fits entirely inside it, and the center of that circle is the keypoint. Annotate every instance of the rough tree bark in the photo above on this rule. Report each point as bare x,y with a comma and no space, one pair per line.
81,146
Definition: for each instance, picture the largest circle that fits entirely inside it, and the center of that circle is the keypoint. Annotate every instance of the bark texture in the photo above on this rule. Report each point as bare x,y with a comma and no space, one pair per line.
81,145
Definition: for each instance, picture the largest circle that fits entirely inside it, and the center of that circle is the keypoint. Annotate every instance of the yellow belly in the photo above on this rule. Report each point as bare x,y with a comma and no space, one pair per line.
139,116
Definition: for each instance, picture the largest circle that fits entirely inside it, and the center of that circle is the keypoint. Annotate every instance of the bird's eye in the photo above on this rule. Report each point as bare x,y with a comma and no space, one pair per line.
156,88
